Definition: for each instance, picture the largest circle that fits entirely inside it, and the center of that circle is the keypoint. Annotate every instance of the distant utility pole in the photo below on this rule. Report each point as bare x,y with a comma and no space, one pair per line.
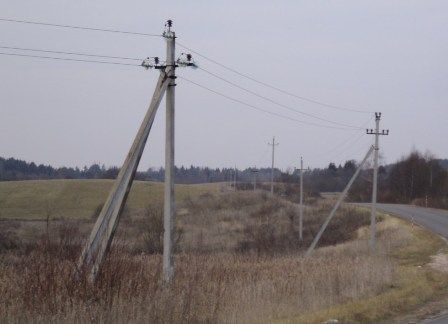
254,172
100,238
377,133
272,166
301,201
234,178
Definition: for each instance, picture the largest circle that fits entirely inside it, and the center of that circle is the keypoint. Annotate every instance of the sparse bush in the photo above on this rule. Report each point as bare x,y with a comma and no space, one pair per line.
8,241
153,230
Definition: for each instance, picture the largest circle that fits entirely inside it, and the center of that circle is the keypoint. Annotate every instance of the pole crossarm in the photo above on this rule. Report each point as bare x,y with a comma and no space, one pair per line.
336,206
377,131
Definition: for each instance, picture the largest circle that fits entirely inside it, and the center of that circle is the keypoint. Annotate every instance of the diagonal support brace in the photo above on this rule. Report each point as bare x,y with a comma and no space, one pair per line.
336,206
103,231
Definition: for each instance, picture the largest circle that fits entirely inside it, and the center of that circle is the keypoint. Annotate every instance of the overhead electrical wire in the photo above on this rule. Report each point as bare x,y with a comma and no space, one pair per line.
340,153
69,53
314,101
342,144
317,102
344,126
67,59
261,109
275,102
138,65
78,27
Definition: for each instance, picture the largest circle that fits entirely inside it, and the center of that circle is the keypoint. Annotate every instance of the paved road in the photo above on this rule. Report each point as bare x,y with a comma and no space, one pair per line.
435,220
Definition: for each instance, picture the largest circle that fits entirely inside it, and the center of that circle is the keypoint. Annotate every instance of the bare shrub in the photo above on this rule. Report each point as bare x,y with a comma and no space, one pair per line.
153,229
8,241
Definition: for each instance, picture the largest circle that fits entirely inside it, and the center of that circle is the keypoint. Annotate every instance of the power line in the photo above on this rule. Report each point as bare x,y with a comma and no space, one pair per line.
275,102
69,53
346,141
346,149
261,109
317,102
78,27
67,59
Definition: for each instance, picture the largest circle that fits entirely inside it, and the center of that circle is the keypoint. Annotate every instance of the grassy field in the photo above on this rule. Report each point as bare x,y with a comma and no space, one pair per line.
78,199
238,260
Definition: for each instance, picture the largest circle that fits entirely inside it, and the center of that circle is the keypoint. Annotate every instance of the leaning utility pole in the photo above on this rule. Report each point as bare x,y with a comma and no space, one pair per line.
338,202
377,133
272,166
100,238
301,201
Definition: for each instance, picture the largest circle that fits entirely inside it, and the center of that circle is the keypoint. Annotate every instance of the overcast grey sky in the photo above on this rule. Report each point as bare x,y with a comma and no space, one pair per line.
381,55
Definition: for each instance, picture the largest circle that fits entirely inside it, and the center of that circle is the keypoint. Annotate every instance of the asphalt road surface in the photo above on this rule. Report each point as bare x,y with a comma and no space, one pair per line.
435,220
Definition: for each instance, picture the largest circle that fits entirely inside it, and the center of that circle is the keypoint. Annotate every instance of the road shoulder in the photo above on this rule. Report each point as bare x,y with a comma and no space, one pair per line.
416,287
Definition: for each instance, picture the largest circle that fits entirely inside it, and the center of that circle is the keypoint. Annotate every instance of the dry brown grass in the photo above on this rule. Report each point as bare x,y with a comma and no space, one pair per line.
215,280
213,287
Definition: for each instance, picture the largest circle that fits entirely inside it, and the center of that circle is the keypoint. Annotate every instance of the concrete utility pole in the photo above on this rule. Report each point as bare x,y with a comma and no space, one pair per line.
254,172
104,229
234,178
377,133
338,202
301,201
272,166
169,208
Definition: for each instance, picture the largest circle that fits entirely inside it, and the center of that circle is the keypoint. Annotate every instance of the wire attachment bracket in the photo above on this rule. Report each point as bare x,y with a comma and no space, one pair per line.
186,60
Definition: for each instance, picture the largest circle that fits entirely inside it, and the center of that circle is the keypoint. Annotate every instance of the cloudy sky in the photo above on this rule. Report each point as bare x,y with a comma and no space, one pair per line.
381,55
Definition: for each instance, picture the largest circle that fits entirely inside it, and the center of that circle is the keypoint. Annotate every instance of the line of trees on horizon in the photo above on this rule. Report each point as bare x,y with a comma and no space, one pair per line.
416,178
12,169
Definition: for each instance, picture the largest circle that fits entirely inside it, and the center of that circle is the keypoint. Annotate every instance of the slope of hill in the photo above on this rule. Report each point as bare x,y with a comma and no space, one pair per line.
39,199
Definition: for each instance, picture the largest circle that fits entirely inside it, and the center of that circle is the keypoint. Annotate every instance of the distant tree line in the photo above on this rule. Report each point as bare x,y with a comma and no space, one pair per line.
13,169
415,178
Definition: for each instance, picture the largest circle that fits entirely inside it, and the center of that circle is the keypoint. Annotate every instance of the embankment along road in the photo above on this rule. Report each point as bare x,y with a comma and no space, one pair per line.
435,220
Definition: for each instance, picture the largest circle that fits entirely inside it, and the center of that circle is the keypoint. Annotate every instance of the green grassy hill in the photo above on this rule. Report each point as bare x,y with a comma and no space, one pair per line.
79,198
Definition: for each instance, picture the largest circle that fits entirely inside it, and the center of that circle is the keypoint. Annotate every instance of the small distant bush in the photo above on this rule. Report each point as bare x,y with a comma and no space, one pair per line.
8,241
153,230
